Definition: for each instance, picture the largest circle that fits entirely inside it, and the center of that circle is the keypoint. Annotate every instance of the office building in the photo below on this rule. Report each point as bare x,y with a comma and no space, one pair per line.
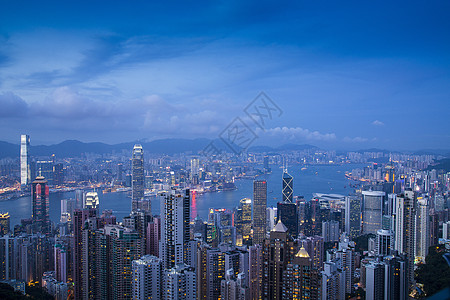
288,214
90,200
25,168
384,242
330,231
353,216
40,205
175,228
372,211
137,174
243,222
58,174
288,187
259,211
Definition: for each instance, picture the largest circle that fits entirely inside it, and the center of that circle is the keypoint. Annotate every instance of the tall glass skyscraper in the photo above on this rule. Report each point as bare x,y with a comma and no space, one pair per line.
259,211
25,172
288,187
372,211
137,173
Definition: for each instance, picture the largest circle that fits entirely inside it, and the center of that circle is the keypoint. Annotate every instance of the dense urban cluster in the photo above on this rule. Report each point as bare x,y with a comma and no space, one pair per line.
369,243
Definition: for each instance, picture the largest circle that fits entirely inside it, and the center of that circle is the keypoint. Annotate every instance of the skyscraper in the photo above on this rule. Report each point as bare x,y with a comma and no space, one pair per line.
41,208
4,223
91,200
58,174
352,216
422,229
404,231
147,281
278,252
259,211
79,219
243,222
288,187
372,211
385,242
175,229
25,171
288,214
181,283
301,278
137,170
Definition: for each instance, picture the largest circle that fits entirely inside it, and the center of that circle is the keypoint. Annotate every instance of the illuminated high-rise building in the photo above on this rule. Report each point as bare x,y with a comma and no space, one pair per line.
372,211
352,216
243,222
175,228
58,174
288,187
181,283
195,168
302,280
259,211
91,200
422,229
405,229
137,170
277,253
25,170
40,205
4,223
147,278
79,219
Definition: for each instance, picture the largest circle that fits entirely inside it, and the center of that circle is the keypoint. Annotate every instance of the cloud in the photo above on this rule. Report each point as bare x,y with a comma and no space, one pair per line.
377,123
357,139
12,105
297,133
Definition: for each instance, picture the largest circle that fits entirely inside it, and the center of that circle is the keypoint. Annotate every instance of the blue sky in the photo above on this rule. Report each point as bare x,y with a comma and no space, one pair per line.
346,75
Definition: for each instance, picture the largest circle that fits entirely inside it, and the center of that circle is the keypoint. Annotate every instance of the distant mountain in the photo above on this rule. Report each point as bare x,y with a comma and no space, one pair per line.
74,148
285,147
443,164
443,152
71,148
375,150
9,150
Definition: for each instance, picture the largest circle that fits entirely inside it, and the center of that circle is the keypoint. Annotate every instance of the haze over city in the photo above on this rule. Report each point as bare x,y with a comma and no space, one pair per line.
346,75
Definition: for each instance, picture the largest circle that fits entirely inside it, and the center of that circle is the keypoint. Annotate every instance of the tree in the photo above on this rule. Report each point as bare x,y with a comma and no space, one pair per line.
435,273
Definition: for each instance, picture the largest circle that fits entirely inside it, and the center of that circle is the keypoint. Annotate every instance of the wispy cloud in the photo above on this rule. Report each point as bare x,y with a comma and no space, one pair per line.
297,133
377,123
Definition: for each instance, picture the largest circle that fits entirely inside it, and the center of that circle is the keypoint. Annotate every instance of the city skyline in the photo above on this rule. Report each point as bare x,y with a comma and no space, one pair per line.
346,76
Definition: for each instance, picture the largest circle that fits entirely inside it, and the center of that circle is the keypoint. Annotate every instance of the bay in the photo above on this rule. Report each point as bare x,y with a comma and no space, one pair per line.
313,179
